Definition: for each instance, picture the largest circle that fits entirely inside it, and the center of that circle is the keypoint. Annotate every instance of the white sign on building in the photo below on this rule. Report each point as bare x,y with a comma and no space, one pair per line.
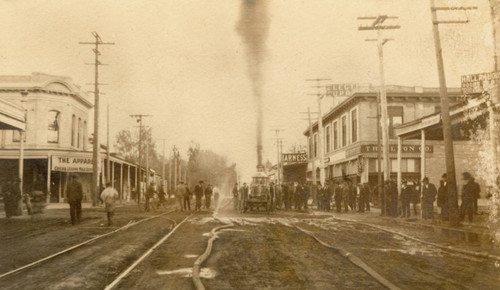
72,164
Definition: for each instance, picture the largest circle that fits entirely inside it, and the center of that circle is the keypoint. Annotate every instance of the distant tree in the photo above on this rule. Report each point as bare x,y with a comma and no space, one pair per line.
210,167
127,145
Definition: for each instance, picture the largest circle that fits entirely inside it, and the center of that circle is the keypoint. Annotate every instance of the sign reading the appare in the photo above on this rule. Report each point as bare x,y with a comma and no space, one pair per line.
71,164
294,157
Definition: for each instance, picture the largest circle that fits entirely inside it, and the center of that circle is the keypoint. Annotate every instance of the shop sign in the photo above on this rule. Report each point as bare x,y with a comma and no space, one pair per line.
478,83
71,164
394,148
342,90
294,157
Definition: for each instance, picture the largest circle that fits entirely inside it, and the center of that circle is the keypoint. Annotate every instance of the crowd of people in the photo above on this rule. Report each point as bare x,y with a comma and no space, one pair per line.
340,196
348,195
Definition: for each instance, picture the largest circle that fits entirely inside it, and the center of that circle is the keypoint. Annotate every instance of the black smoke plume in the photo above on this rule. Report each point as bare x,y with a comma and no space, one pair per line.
253,27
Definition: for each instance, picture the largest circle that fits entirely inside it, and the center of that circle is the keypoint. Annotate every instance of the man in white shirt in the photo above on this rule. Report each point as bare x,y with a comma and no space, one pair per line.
109,195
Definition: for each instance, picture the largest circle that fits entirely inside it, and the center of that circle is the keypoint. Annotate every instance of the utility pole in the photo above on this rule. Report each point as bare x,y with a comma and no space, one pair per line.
320,132
310,145
96,146
175,167
378,26
147,164
22,137
278,159
169,185
445,110
108,163
139,120
163,165
379,160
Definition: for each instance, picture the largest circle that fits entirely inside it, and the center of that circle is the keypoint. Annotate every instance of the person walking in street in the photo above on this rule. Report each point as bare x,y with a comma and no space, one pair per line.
328,196
286,195
406,195
109,196
346,190
364,195
179,194
337,191
320,196
393,195
216,196
297,197
186,198
208,196
368,196
150,193
352,195
161,196
236,199
198,193
470,191
306,193
272,195
442,197
429,192
75,194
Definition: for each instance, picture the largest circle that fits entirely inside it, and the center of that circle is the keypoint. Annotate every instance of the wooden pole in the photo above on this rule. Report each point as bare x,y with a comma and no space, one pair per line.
445,118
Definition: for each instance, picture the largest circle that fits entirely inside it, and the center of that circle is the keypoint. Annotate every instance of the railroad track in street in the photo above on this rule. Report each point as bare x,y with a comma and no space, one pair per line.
446,248
123,274
353,259
388,254
82,244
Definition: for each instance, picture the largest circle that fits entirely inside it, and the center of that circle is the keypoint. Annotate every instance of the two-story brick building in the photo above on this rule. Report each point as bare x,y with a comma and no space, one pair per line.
350,132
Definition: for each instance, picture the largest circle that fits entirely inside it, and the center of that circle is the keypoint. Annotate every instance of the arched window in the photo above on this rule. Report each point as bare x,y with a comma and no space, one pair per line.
53,127
73,129
79,142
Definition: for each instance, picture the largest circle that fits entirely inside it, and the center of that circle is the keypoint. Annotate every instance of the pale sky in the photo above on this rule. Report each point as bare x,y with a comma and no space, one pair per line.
184,62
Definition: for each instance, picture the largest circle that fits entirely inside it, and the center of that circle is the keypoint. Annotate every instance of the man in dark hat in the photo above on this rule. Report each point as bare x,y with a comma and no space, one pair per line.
442,199
470,192
74,196
235,196
406,194
198,193
429,192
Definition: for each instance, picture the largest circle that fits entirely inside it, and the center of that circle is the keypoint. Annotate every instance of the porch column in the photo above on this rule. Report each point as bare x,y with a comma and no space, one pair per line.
422,156
60,187
400,149
128,182
112,174
21,171
136,187
49,167
422,169
121,181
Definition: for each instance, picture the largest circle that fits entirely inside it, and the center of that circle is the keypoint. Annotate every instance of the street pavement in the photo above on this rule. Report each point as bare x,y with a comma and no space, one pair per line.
280,250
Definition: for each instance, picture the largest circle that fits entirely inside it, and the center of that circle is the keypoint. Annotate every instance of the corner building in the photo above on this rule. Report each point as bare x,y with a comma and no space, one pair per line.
350,133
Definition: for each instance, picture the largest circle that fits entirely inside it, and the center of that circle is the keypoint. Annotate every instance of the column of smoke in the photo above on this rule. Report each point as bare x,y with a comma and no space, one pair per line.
252,27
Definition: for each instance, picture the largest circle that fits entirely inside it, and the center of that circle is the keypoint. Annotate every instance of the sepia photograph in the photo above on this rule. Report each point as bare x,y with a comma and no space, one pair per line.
249,144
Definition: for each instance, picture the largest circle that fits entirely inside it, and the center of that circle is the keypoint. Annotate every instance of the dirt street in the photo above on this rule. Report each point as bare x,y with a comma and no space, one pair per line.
258,251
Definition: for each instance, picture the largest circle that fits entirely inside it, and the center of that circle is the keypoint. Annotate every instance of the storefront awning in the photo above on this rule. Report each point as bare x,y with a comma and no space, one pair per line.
11,116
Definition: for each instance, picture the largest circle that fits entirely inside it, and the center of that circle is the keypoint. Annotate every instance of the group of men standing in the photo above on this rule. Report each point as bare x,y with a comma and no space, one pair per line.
183,195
